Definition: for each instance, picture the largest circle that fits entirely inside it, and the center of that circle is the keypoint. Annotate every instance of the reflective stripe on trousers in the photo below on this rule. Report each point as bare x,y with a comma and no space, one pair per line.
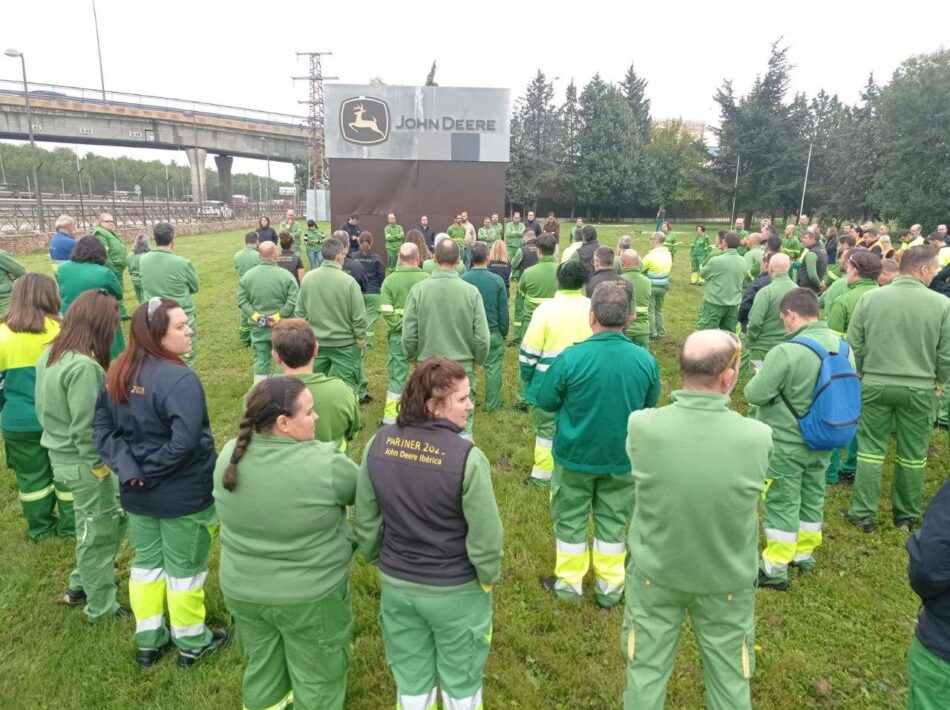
392,407
147,598
809,537
543,459
418,702
472,702
779,549
608,560
279,705
570,566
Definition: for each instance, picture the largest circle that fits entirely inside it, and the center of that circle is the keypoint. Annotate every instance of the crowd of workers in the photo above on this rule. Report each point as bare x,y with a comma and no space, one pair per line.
111,439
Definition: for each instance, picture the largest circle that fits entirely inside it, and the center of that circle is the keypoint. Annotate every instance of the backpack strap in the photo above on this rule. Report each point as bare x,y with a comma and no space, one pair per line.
820,352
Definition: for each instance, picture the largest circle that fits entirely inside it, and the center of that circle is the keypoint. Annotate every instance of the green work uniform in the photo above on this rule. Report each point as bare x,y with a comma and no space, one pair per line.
65,408
795,492
724,277
244,261
10,269
495,297
135,273
639,330
169,275
394,238
657,266
445,317
313,240
392,302
693,547
117,258
697,254
286,552
592,388
295,228
765,329
497,230
430,267
265,290
486,235
537,285
331,301
901,398
833,293
75,278
513,238
39,493
436,601
457,232
753,260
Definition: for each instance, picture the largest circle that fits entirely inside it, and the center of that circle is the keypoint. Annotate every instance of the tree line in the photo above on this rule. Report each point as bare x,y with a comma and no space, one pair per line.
600,154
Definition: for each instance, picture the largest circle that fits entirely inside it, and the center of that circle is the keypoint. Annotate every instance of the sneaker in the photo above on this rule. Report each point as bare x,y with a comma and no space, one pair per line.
219,637
905,524
72,597
549,584
805,566
148,657
867,524
766,582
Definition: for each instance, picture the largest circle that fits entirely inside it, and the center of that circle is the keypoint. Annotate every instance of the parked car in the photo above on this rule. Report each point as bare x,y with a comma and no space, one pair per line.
216,209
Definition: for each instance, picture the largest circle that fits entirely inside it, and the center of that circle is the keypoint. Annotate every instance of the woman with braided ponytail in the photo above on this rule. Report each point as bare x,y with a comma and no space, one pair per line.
286,550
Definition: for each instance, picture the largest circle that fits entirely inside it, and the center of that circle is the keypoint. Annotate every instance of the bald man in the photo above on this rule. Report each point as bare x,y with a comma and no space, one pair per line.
393,295
693,539
639,330
266,294
394,235
765,329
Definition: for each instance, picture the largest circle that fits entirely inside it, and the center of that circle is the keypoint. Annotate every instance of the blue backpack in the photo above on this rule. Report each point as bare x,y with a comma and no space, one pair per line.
832,420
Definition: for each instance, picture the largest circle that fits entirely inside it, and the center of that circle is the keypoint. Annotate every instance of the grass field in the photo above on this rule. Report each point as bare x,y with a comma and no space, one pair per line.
837,639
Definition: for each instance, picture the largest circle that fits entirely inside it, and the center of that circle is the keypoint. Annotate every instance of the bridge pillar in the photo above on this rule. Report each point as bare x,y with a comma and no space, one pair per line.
199,185
223,163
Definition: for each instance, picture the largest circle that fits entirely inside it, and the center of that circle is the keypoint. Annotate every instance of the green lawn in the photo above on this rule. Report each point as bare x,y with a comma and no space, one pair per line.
837,639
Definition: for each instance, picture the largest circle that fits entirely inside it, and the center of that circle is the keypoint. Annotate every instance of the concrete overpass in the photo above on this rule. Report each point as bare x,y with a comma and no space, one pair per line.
68,114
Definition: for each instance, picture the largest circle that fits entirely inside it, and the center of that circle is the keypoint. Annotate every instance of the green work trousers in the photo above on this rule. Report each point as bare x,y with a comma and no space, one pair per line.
838,466
244,330
171,559
747,356
695,261
493,372
642,340
345,362
884,409
574,497
928,679
543,466
512,251
371,301
100,527
655,314
119,273
296,653
393,257
433,631
467,431
139,296
261,347
40,496
794,507
520,326
397,371
724,626
712,317
942,415
193,354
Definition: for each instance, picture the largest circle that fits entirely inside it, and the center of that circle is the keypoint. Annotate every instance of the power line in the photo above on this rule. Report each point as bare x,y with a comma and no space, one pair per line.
319,177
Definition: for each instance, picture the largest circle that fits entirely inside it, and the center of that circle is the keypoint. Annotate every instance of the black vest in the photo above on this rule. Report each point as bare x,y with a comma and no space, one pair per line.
529,256
821,267
417,473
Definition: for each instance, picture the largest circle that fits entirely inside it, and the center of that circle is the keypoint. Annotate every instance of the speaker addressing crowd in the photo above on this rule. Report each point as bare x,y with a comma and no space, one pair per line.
109,440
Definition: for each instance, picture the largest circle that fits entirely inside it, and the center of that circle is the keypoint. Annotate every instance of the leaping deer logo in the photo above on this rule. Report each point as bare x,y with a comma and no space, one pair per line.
364,120
361,122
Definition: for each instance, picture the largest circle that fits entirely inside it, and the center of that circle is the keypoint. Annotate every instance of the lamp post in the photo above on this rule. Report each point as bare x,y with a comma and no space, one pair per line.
267,153
29,128
82,207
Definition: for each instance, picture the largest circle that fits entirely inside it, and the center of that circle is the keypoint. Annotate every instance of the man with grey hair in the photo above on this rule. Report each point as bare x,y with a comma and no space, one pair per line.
694,532
429,266
624,242
118,257
592,387
639,329
63,241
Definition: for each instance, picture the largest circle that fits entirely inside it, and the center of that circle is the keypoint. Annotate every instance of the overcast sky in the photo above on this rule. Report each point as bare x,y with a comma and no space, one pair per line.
243,54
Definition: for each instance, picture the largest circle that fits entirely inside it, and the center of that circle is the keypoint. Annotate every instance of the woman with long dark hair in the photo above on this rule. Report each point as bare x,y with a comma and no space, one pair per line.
152,429
426,514
286,549
31,323
265,233
68,378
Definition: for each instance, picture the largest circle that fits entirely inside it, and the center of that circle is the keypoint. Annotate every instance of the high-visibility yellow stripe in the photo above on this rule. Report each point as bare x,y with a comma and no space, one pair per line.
34,496
279,705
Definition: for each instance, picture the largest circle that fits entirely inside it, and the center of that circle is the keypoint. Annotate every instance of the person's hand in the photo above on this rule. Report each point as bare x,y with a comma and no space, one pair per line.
137,482
938,390
101,472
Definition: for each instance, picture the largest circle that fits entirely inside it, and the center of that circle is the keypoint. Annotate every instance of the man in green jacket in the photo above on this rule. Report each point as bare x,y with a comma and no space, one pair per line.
814,263
639,330
592,388
245,260
724,277
313,241
293,227
697,254
10,270
394,235
753,257
444,316
169,275
457,231
392,302
331,301
117,255
766,328
486,234
862,270
795,486
513,231
266,294
495,297
430,267
536,284
899,398
496,227
694,533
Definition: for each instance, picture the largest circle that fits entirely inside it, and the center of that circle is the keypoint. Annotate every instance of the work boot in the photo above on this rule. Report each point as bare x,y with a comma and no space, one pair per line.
148,657
766,582
219,637
866,525
72,597
530,480
845,476
905,524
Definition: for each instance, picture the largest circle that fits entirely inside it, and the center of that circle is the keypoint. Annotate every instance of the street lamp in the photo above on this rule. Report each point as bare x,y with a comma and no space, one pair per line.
29,129
267,153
